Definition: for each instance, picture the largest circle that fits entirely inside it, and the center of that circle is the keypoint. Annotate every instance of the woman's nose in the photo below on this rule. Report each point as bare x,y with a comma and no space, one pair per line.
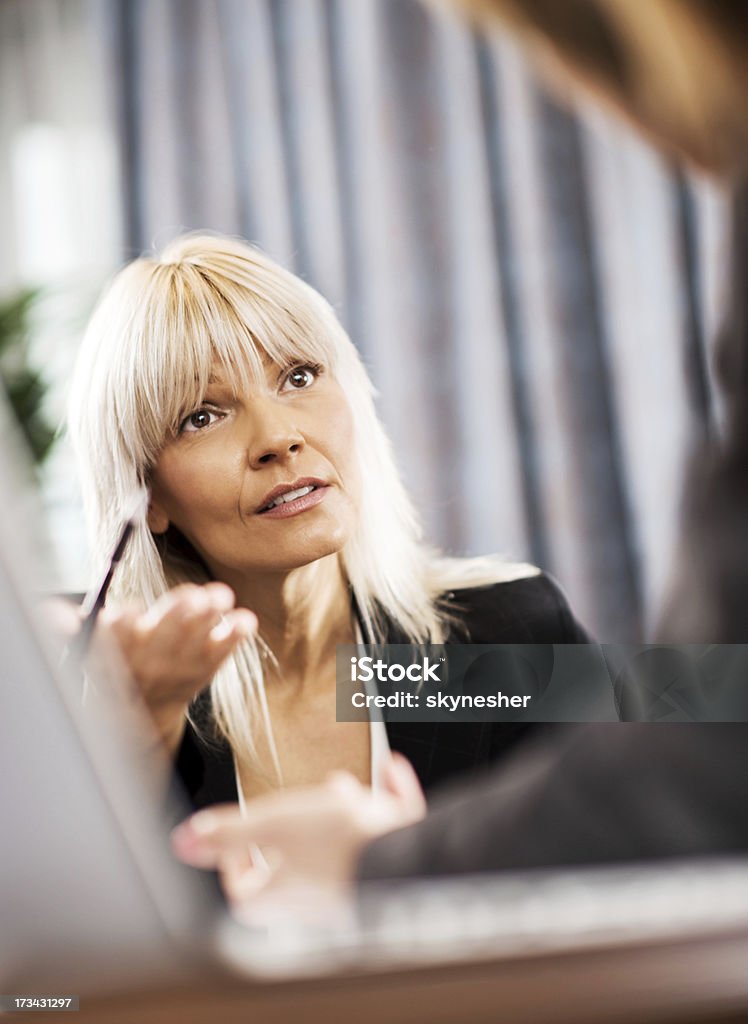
274,437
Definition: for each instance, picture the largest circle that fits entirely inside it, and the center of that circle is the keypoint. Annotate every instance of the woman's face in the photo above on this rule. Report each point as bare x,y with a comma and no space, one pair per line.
265,480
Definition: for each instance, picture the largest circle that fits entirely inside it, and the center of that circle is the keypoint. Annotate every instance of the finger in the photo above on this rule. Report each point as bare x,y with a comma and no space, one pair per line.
195,854
205,625
221,596
400,781
223,640
343,782
207,640
206,836
216,838
119,621
243,882
173,632
238,624
204,610
188,603
234,866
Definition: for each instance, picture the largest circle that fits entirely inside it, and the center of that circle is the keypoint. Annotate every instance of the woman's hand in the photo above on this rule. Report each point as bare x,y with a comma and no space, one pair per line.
173,649
312,839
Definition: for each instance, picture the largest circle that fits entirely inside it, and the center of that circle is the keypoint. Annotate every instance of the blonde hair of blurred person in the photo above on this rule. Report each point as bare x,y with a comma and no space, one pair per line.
677,69
145,362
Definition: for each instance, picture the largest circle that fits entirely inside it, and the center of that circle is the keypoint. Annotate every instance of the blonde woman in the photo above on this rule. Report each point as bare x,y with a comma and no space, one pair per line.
228,387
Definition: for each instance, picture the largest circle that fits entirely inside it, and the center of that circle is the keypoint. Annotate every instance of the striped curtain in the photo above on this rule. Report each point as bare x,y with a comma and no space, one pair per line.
531,287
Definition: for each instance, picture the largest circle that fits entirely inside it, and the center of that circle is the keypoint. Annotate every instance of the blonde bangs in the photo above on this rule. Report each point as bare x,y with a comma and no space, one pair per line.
206,308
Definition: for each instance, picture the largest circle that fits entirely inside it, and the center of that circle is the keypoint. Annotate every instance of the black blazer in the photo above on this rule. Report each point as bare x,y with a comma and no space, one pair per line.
528,610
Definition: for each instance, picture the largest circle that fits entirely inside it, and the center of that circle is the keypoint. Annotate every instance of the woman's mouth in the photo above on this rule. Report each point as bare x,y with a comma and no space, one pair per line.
291,503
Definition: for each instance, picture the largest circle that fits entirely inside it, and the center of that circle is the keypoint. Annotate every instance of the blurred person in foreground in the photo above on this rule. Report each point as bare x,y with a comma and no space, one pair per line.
678,70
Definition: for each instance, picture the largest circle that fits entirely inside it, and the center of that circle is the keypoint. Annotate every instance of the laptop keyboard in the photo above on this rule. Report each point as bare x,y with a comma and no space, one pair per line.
492,916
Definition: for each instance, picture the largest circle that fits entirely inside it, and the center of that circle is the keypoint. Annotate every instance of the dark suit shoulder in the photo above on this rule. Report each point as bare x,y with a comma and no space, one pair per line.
531,609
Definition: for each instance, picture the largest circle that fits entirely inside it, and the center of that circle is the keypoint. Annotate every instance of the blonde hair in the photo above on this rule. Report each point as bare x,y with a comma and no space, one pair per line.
678,69
145,362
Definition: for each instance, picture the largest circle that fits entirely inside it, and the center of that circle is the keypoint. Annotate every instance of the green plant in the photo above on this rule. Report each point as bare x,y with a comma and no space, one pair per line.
23,384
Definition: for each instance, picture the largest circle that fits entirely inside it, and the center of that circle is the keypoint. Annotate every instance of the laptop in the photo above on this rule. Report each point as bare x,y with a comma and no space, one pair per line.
92,900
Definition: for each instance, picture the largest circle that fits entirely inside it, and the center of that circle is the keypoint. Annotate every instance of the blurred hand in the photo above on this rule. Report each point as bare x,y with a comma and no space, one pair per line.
173,649
311,837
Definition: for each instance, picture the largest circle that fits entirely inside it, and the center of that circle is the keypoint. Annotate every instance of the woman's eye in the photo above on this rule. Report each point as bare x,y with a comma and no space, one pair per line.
302,376
198,420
